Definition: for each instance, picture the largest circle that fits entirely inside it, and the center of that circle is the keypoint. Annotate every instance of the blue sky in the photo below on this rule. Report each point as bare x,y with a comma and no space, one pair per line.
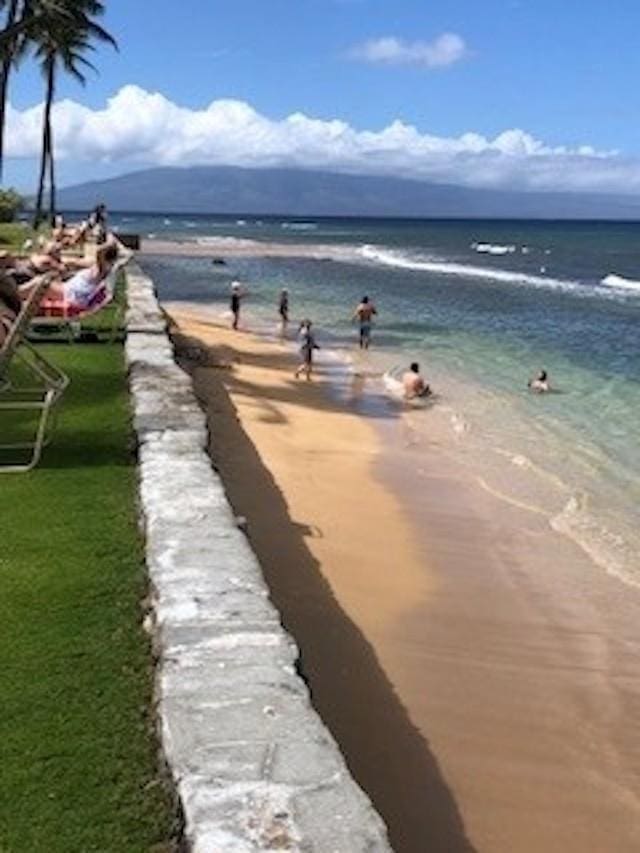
562,72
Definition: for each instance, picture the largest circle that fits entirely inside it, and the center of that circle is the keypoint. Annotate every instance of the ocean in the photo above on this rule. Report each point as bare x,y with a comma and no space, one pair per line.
482,306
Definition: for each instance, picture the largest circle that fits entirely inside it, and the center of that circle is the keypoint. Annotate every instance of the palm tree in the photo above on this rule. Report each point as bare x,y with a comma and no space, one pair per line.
9,51
32,11
61,40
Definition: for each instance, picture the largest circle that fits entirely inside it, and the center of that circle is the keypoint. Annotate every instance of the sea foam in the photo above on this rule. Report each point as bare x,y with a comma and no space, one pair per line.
441,267
620,283
493,249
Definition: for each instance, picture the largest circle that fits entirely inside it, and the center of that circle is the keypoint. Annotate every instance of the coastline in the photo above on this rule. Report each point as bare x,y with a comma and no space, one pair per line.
234,247
295,464
517,682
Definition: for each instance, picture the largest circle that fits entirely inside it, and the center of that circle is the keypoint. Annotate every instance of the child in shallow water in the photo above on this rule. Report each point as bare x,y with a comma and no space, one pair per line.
307,344
540,384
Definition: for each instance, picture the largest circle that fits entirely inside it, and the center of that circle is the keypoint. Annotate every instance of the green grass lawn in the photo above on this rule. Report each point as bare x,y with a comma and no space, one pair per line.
13,235
78,754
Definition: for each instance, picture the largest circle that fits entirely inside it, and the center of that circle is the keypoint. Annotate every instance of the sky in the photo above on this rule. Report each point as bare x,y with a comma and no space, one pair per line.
523,94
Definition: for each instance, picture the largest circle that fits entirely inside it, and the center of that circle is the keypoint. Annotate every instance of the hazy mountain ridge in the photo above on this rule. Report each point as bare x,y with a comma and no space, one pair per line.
292,192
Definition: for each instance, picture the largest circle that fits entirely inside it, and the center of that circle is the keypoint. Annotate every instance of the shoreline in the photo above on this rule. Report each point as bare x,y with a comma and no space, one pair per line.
236,247
324,586
502,664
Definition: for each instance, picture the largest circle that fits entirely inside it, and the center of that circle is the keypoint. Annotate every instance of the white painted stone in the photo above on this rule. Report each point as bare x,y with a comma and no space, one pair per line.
254,766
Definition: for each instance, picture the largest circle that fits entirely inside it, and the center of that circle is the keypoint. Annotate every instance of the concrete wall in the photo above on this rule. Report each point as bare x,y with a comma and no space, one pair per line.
253,764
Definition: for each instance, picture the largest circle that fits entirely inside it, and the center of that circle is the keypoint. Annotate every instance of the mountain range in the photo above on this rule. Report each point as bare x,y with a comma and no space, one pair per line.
296,192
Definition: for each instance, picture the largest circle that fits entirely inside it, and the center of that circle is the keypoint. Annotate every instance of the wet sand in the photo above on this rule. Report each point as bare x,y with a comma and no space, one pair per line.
479,673
236,247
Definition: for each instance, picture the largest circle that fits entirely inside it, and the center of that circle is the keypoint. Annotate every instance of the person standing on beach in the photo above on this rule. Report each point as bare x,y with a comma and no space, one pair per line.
307,345
283,309
364,314
236,296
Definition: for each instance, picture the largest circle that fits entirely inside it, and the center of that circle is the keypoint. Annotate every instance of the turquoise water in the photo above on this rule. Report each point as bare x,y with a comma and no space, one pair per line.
482,306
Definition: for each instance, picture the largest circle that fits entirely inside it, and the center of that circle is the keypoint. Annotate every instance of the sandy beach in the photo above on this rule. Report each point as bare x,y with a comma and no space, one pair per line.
235,247
480,675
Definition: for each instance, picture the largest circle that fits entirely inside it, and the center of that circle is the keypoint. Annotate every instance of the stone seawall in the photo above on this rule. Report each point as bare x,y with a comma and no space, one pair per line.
254,766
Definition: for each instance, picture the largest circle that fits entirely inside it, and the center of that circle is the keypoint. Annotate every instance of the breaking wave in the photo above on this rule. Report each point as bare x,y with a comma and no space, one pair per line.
299,226
620,283
493,249
402,261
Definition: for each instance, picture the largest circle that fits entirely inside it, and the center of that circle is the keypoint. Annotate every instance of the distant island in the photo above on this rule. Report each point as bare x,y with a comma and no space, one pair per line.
297,192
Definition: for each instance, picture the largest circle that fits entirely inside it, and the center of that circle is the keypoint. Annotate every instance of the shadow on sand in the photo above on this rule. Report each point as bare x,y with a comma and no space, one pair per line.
386,754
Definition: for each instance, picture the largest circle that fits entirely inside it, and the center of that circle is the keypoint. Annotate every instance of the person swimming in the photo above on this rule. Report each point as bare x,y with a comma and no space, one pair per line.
540,383
414,384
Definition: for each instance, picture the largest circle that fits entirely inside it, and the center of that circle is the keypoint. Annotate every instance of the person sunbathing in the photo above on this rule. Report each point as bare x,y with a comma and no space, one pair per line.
47,259
10,304
80,289
69,235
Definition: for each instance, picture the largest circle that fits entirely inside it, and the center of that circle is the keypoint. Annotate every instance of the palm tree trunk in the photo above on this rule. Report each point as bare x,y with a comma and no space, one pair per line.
7,64
52,179
46,141
51,88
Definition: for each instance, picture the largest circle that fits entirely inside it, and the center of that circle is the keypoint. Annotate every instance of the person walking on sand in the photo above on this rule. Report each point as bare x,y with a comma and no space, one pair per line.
236,297
307,343
283,309
364,314
413,383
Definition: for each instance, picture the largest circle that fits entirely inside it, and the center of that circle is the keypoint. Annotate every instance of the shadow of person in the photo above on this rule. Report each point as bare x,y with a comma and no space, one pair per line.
385,752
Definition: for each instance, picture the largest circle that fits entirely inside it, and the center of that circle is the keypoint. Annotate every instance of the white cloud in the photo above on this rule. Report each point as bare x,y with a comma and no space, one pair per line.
445,50
145,128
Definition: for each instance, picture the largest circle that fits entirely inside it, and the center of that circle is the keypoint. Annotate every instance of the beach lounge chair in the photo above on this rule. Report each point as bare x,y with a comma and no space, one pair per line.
67,317
29,383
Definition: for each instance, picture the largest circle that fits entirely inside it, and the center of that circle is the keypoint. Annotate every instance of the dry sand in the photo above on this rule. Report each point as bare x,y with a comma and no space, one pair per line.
480,675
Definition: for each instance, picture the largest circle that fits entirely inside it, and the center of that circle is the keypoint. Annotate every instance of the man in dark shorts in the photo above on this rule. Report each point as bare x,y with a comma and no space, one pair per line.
364,314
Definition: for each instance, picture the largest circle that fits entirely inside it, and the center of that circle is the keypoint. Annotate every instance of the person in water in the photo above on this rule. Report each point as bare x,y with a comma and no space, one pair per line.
237,296
413,383
540,384
364,314
307,344
283,309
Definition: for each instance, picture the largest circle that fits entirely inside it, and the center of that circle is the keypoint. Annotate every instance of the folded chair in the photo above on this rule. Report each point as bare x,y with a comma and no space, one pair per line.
29,383
68,317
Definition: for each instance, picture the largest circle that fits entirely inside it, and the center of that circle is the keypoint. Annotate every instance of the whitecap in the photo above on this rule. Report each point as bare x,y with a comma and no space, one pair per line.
620,282
299,226
392,258
493,249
